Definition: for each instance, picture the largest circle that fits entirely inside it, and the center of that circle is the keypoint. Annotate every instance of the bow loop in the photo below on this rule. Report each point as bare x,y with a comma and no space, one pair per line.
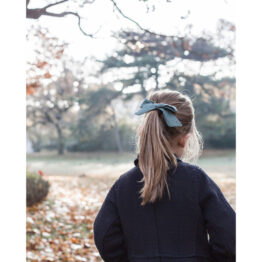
167,110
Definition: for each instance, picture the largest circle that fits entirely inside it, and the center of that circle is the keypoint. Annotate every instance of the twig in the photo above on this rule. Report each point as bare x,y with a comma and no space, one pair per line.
138,25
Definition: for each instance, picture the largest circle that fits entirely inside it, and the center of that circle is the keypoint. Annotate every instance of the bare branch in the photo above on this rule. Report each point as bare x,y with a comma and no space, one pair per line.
138,25
57,3
63,14
36,13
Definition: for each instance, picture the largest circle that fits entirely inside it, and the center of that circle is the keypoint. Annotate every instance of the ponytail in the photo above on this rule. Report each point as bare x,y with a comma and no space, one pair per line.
155,158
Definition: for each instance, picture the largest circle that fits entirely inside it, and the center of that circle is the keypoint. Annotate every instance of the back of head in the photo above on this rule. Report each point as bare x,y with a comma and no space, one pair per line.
157,143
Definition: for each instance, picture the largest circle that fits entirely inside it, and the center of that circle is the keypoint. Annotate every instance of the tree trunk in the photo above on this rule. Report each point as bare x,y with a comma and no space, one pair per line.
116,132
60,141
141,82
156,78
144,93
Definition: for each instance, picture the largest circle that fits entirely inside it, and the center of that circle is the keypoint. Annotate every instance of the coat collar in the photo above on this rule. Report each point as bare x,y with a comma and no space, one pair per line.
136,160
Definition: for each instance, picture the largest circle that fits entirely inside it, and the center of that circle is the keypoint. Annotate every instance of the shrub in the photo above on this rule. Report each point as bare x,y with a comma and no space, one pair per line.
102,138
36,188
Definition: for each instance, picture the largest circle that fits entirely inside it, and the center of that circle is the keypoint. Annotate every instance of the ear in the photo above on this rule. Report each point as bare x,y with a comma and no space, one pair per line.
182,140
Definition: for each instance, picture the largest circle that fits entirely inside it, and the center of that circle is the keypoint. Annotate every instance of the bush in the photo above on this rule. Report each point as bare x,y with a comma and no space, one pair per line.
220,133
102,138
36,188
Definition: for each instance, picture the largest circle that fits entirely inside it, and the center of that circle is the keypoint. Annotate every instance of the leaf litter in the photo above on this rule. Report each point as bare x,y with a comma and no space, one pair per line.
60,228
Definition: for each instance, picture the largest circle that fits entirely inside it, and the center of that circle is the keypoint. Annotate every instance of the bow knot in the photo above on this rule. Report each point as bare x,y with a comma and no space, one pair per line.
167,110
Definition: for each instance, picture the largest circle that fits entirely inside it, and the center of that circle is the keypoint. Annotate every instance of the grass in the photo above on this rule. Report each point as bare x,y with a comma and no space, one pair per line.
79,164
219,162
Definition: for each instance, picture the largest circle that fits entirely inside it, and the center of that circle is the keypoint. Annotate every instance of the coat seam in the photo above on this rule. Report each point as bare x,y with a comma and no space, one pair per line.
113,221
197,219
157,233
106,233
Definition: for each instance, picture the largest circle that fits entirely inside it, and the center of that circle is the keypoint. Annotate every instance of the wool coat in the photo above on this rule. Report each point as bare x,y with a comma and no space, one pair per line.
196,224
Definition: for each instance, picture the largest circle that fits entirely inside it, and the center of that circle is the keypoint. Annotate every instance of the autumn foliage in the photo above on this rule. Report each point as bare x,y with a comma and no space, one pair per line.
45,65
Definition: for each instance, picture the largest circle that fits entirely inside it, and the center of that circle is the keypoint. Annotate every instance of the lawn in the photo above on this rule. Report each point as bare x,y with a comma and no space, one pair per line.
219,162
60,228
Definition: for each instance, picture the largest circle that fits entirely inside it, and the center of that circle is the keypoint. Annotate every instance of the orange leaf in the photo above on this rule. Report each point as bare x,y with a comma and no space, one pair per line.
41,64
47,75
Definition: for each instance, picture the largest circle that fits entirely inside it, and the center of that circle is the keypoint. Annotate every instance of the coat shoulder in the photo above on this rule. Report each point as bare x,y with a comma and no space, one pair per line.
190,171
130,177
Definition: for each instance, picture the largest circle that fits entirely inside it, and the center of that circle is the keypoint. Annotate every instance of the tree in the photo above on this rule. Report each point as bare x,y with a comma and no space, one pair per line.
97,115
143,54
51,105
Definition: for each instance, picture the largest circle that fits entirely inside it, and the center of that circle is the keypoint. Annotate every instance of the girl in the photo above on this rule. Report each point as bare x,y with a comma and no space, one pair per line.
165,209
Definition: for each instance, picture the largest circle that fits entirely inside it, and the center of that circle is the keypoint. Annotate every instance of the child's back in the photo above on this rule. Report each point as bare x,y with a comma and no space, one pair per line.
167,230
164,209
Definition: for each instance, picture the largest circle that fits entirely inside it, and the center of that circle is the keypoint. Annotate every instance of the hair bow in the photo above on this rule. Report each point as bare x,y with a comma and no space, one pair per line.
168,111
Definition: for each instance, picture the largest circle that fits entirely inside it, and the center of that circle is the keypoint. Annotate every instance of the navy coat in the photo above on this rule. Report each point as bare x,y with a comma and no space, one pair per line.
196,225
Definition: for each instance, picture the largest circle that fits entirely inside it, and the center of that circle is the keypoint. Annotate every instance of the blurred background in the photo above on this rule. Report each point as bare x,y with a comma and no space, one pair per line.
89,65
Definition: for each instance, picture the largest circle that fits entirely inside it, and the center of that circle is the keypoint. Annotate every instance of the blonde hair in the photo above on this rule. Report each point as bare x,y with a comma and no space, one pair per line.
156,143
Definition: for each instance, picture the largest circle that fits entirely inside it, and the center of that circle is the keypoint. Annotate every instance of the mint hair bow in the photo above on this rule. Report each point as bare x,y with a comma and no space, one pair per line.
168,111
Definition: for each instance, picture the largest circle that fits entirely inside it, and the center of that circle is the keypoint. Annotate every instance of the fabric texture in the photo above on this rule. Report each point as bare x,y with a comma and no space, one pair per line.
196,224
167,110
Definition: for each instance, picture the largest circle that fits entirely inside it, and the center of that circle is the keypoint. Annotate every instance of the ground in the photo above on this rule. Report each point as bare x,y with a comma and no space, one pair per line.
60,227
